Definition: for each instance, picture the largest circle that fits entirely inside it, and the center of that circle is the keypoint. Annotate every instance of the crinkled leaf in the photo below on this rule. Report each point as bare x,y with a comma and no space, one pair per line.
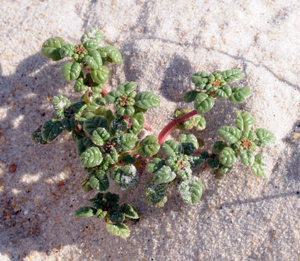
118,230
106,113
203,103
189,143
171,148
111,156
84,117
224,92
99,181
36,136
86,186
126,177
67,50
93,34
100,75
129,111
127,89
148,147
163,175
60,102
191,190
91,45
97,88
111,52
232,75
264,137
147,100
244,121
129,211
137,119
51,129
111,197
93,60
93,123
79,85
213,162
91,157
218,147
69,124
127,142
112,96
230,134
258,167
247,157
116,217
100,213
240,94
224,169
83,144
190,96
51,47
95,100
118,127
200,79
196,160
227,156
156,194
70,71
200,122
155,165
76,135
128,159
85,212
100,136
75,109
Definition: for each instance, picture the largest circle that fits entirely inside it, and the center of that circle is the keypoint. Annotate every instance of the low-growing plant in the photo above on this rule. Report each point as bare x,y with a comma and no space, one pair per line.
107,141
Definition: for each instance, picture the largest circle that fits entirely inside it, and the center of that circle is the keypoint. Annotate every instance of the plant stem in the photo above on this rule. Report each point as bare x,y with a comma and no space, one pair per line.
166,131
147,126
104,91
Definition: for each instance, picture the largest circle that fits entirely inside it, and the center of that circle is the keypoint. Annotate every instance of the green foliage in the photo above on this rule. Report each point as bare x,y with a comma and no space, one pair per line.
51,129
191,190
52,47
148,147
196,121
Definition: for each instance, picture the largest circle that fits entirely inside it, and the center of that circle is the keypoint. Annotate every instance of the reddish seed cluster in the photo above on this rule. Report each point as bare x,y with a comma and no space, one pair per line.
216,83
108,147
246,144
79,49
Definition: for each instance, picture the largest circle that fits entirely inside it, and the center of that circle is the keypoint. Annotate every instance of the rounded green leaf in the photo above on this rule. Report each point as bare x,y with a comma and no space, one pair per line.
203,103
129,111
85,212
148,147
36,136
67,50
138,119
79,85
111,52
51,129
147,100
93,123
163,175
171,148
244,121
93,34
106,113
97,88
69,124
218,147
127,89
200,79
232,75
111,197
155,164
200,122
240,94
60,102
91,157
100,213
128,159
91,45
189,143
100,136
230,134
116,217
190,96
70,71
118,127
258,167
264,137
196,160
111,156
118,230
76,135
191,190
100,75
224,92
51,47
84,117
227,156
127,142
155,195
86,186
126,177
129,211
93,60
247,157
213,162
99,181
83,144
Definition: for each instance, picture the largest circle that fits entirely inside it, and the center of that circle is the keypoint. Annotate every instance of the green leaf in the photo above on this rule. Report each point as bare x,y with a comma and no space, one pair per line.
247,157
200,79
116,217
93,60
129,211
190,96
93,123
106,113
67,50
137,119
100,136
100,75
93,34
258,167
224,169
264,137
95,100
148,147
213,162
126,177
100,213
60,102
111,156
75,110
203,103
51,47
232,75
128,159
111,52
129,111
111,197
155,165
84,117
69,124
156,194
79,85
127,142
218,147
112,96
91,157
118,127
70,71
97,88
86,186
224,92
230,134
76,135
240,94
196,160
147,100
200,122
99,181
189,143
118,230
127,89
227,156
36,136
191,190
91,45
171,148
244,121
163,175
85,212
83,144
51,129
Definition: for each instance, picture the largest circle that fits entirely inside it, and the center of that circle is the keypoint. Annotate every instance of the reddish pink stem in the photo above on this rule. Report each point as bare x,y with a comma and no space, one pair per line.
126,118
147,126
166,131
89,70
104,91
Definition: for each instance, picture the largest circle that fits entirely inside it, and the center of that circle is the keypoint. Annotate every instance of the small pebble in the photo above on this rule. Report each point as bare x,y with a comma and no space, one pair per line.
12,168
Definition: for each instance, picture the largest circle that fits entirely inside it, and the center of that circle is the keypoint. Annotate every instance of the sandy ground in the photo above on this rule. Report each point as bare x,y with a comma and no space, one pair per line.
163,43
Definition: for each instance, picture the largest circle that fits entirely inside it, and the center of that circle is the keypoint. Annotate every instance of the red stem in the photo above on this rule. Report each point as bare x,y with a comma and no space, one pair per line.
147,126
166,131
104,91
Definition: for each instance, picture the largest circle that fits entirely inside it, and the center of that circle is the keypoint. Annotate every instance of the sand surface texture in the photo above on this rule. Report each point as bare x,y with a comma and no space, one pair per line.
163,43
